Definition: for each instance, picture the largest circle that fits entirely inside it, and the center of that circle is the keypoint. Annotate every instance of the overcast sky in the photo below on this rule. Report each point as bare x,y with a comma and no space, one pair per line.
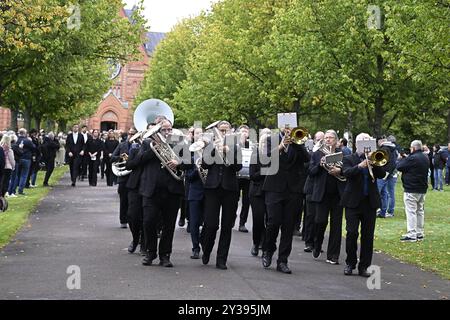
164,14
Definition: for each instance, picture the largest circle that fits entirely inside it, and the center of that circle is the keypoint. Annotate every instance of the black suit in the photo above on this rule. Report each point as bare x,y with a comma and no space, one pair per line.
75,148
49,149
360,207
326,194
161,194
94,146
221,190
282,196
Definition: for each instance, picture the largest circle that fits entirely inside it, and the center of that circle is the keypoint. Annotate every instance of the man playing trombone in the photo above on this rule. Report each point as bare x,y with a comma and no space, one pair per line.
361,199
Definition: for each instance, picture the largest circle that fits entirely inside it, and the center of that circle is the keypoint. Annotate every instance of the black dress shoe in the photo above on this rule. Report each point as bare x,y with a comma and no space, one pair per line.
132,247
308,249
283,267
221,265
243,229
181,222
348,270
205,258
316,253
254,251
195,254
73,184
149,257
364,273
165,261
142,251
267,259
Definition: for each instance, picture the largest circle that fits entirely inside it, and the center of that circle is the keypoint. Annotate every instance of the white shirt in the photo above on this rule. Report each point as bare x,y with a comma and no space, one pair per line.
85,135
75,137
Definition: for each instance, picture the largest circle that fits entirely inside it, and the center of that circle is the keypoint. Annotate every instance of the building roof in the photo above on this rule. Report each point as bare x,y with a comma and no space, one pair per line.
154,38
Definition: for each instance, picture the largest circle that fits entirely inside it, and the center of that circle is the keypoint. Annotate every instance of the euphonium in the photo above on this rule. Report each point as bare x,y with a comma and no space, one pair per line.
163,151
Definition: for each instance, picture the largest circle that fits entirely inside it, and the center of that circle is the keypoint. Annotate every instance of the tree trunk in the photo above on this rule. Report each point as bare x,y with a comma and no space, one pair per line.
37,121
62,126
27,118
13,124
379,99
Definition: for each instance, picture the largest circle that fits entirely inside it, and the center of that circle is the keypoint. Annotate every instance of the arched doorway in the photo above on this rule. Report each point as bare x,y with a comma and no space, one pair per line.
109,121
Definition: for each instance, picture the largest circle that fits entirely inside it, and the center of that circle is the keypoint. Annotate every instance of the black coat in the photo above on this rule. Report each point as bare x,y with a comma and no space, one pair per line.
134,164
73,147
414,169
289,177
220,175
95,145
256,179
194,182
353,193
153,174
49,148
320,176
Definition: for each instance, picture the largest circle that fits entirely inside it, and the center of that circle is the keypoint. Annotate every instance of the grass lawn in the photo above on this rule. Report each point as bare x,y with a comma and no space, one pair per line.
432,254
20,208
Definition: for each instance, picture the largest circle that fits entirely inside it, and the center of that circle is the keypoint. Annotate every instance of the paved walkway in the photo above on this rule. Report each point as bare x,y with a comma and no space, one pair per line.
79,226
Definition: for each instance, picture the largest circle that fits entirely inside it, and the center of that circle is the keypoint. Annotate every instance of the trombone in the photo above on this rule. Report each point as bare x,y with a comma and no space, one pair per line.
378,158
298,135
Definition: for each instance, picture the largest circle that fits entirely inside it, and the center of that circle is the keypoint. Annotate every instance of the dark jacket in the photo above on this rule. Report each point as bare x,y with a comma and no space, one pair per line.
414,170
93,146
439,159
289,177
195,184
256,179
153,175
28,148
320,176
220,175
354,189
49,149
2,161
134,164
73,147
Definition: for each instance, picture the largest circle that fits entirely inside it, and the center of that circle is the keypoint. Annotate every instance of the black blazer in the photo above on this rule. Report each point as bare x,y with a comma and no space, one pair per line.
73,147
320,175
256,179
290,175
353,193
134,164
193,182
223,176
151,172
93,146
49,148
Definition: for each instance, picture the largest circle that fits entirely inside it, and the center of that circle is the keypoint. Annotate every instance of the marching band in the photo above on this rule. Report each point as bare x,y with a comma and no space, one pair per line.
160,168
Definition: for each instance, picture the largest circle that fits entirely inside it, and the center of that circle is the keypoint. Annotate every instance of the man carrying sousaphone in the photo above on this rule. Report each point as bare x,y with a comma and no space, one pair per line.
161,193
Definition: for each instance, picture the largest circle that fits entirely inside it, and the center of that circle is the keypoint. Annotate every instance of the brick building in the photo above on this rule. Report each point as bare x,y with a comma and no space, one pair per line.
115,109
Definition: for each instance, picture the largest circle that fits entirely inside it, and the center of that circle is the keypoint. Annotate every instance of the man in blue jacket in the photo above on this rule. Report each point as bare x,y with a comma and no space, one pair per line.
28,148
414,170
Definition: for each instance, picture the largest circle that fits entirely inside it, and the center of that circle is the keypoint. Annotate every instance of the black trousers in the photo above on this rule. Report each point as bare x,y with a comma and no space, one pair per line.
259,215
366,216
4,181
102,168
84,165
135,215
184,209
244,186
213,201
74,164
281,214
329,207
123,197
50,166
162,206
308,223
93,169
108,172
298,217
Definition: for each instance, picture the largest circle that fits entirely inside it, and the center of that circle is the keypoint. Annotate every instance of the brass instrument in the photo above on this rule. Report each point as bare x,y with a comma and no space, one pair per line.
198,147
378,158
321,146
118,167
163,151
219,141
299,135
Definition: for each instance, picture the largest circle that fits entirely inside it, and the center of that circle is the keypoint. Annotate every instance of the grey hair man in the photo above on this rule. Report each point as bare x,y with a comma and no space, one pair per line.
414,170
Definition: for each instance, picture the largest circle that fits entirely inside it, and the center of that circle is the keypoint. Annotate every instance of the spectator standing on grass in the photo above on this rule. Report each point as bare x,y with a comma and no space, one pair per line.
439,162
9,164
414,170
27,148
50,147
